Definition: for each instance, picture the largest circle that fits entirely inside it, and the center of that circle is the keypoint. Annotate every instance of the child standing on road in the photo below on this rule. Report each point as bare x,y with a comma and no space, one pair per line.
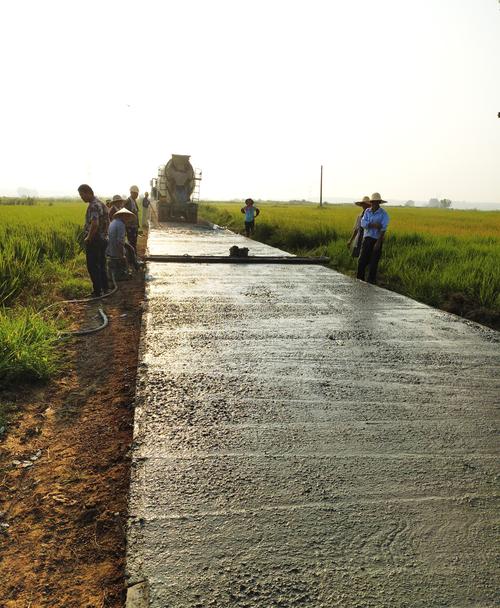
251,213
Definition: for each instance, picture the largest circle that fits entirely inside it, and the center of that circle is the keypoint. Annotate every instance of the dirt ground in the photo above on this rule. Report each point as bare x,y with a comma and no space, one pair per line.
64,468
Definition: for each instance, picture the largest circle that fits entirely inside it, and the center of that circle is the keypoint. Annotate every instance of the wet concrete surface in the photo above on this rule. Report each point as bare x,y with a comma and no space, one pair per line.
306,439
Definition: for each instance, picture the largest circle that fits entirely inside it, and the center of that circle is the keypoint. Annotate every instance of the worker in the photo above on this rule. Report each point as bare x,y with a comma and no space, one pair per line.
115,203
374,222
145,210
116,250
132,256
251,213
95,239
133,225
356,240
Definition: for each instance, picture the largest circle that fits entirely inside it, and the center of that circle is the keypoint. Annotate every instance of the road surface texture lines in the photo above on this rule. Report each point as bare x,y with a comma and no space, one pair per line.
306,439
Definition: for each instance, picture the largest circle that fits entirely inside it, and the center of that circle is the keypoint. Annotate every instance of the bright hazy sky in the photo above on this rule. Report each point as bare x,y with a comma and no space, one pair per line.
395,96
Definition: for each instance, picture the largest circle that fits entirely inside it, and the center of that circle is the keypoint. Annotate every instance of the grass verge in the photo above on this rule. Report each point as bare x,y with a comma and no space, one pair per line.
41,261
27,347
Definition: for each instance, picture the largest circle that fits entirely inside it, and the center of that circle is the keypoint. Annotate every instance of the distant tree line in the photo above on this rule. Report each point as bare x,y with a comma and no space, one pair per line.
444,203
434,203
10,200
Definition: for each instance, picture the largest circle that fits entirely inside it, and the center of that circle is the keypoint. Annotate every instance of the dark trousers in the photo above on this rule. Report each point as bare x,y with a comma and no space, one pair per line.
117,267
131,255
132,236
249,227
369,258
95,252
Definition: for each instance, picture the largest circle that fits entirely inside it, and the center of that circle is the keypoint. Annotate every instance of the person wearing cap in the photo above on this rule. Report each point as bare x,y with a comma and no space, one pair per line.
145,210
115,204
374,222
133,225
96,239
354,243
116,250
251,212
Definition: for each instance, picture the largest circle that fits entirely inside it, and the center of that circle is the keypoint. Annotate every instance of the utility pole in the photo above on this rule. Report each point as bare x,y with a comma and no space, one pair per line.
321,188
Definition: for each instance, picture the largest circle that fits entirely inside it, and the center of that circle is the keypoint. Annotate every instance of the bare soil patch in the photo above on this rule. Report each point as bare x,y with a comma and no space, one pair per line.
63,517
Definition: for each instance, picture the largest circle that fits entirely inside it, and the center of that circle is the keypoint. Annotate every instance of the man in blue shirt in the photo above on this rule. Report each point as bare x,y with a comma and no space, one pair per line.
374,223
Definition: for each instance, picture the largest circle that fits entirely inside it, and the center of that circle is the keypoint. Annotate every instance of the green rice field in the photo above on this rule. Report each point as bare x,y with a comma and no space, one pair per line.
38,246
41,260
443,257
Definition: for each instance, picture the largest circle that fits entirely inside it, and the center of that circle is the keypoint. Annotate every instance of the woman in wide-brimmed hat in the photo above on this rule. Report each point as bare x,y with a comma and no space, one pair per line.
354,243
116,251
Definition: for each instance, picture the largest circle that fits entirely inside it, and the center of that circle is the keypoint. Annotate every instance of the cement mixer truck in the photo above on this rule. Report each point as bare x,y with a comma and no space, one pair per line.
172,191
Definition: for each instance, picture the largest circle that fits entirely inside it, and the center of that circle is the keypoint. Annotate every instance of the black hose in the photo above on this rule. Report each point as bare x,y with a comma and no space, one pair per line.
91,330
59,302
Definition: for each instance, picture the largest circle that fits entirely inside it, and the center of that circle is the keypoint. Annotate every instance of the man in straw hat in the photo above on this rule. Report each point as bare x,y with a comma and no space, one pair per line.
374,223
133,225
116,251
354,243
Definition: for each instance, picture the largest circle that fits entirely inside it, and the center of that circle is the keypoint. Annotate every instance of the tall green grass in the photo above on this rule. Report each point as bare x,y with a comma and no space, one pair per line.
429,254
35,243
27,350
40,258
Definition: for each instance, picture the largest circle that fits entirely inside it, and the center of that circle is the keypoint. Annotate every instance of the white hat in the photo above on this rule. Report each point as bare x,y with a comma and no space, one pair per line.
123,211
377,198
134,189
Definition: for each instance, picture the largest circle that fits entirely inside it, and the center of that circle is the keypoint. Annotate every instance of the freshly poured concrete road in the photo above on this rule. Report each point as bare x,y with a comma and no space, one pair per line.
305,439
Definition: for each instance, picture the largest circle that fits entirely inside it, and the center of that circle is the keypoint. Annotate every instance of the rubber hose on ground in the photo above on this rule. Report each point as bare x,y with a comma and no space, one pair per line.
59,302
91,330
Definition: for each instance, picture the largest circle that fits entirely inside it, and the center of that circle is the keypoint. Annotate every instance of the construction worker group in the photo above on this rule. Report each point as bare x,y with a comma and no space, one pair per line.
110,236
111,232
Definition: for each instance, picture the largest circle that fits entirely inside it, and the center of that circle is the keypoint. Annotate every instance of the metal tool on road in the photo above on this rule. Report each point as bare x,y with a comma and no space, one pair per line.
226,259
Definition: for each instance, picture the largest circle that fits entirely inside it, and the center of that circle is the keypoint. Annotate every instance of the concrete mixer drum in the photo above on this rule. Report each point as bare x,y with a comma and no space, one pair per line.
173,190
